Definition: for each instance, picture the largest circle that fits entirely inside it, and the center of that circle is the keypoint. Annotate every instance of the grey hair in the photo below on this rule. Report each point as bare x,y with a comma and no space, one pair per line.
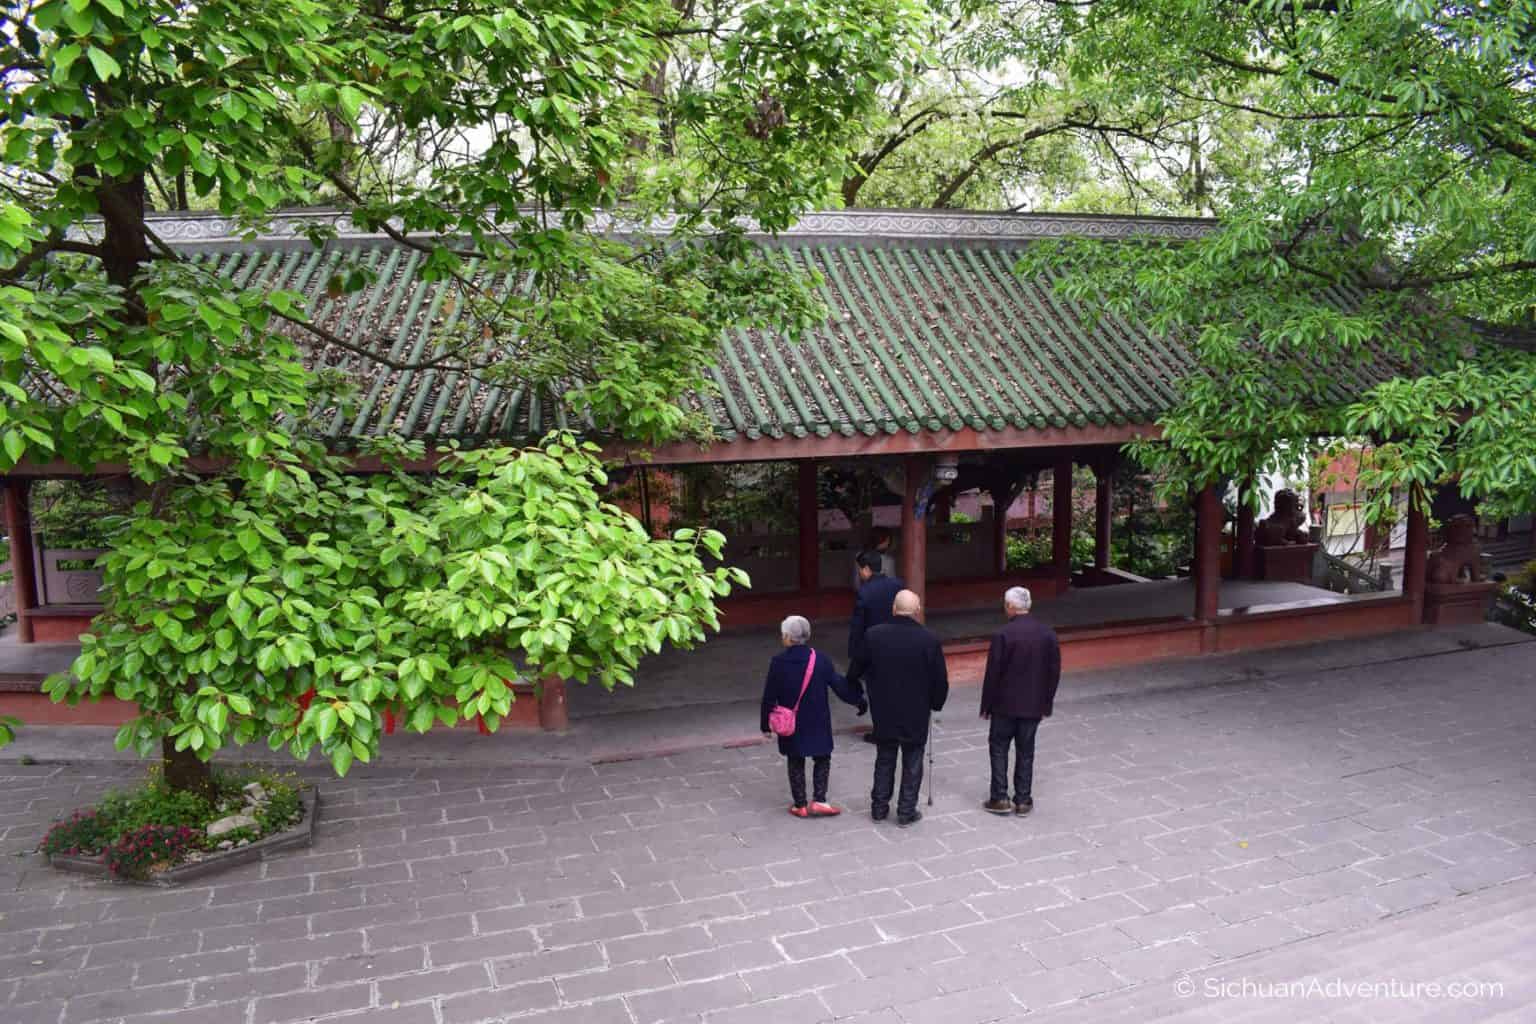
796,629
1018,598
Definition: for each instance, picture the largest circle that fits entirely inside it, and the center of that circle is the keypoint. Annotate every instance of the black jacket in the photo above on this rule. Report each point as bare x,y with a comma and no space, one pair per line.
813,722
904,663
873,608
1023,668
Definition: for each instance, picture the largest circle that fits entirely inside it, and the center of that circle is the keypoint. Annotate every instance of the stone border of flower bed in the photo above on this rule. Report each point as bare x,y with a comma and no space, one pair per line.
300,836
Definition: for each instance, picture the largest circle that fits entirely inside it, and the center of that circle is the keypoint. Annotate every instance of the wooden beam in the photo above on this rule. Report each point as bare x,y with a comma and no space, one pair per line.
926,442
762,449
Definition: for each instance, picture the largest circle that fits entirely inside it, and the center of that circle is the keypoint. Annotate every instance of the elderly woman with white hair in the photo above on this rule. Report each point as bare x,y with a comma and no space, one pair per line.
796,709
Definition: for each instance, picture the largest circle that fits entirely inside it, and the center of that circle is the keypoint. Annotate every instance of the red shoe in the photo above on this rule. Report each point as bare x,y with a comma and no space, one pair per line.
800,812
825,810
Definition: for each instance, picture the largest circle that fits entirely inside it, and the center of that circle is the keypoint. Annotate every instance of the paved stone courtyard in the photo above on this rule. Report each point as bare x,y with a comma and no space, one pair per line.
1174,831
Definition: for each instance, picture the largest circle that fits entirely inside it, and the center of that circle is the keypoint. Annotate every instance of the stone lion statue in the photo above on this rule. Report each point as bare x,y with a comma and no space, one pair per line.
1283,525
1459,559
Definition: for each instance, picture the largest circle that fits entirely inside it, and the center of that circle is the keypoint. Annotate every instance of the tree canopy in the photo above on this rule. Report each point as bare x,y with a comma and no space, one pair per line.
1396,223
258,589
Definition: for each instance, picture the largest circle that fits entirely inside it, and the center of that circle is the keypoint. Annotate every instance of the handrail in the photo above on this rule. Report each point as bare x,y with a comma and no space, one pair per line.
1352,578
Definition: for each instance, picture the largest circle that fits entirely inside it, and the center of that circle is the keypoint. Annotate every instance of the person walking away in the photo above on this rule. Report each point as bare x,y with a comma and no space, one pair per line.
873,607
1019,689
877,597
799,678
880,544
907,681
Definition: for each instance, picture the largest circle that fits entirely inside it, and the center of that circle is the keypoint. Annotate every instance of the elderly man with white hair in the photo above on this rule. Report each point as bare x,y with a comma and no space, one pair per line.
1023,670
795,698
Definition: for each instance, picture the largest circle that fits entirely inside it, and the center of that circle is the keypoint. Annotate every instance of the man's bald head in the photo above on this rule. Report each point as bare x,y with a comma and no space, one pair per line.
906,603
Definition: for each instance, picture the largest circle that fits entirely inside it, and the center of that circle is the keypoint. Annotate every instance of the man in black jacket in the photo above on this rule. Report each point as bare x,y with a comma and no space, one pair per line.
877,595
908,680
1023,669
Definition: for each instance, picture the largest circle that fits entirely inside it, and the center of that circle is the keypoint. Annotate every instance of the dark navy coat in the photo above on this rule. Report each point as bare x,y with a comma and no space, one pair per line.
873,608
813,722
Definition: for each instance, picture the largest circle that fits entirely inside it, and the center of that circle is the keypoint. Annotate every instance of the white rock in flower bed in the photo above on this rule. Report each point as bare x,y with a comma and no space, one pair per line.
255,793
229,824
228,844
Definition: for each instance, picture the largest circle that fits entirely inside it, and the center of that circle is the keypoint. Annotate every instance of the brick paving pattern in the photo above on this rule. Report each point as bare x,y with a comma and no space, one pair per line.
1173,832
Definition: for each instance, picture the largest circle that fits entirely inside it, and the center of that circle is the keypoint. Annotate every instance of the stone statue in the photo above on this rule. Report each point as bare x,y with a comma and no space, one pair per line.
1284,525
1459,559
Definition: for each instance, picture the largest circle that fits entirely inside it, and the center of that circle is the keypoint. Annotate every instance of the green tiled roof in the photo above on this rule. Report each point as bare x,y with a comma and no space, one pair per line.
929,330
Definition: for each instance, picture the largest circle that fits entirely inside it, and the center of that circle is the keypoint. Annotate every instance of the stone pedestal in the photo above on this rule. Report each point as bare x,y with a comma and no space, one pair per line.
1287,563
1457,604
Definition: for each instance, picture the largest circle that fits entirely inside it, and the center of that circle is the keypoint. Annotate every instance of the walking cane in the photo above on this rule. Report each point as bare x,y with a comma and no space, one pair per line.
930,759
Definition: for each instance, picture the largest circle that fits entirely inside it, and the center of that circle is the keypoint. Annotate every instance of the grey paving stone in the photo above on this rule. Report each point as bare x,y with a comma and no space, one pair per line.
971,1007
1249,937
822,941
855,999
368,966
926,920
497,1004
676,942
1173,923
722,960
443,981
482,947
1082,945
896,957
228,987
302,1006
1161,961
1063,984
802,1009
698,997
1091,913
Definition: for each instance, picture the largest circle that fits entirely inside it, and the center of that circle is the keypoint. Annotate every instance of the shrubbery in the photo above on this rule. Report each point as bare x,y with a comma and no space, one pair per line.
153,826
138,852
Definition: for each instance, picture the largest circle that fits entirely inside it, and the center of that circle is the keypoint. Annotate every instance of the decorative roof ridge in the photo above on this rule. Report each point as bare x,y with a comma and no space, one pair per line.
198,229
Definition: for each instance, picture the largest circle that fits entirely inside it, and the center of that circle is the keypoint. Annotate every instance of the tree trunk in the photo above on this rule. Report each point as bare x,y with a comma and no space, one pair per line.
184,771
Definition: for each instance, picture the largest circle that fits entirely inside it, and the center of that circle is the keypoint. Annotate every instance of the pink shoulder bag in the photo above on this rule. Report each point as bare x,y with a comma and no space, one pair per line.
781,720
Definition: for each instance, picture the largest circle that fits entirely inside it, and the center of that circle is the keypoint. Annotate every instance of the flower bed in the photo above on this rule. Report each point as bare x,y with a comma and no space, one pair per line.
155,835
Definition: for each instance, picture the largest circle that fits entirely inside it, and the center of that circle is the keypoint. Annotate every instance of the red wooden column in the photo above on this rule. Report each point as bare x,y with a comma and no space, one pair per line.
1103,518
810,542
1061,522
914,531
1207,553
1416,557
18,524
1244,557
999,533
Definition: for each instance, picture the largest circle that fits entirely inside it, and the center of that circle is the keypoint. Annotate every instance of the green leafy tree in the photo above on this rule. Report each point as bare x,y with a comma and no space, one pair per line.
1397,219
491,139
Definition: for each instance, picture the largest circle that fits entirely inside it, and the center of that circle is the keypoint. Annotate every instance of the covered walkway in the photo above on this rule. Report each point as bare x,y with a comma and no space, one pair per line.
730,667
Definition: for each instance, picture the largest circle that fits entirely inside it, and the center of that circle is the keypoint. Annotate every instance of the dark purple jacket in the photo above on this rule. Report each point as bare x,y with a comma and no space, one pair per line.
1023,668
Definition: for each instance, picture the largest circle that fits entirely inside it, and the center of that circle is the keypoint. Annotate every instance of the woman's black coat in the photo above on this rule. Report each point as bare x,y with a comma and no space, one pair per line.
813,722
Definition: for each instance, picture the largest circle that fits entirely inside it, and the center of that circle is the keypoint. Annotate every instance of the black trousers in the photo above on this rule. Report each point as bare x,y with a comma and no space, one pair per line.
1012,732
821,772
885,778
